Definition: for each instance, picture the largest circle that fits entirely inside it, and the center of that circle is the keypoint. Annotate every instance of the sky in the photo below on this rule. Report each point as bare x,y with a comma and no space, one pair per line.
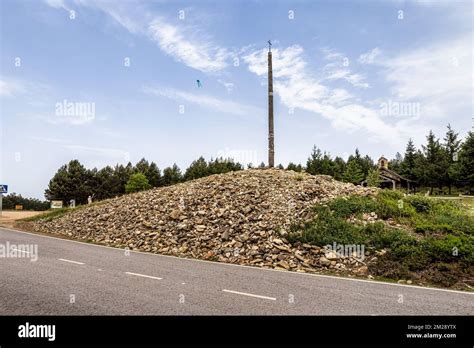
109,82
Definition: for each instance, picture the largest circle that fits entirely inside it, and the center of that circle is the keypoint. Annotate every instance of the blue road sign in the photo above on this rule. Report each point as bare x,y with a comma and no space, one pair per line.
3,188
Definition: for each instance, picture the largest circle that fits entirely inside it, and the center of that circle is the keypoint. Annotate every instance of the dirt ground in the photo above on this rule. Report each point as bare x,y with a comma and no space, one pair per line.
8,217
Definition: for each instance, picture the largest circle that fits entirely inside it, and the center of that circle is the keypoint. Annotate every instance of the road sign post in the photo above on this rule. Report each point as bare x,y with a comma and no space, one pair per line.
3,189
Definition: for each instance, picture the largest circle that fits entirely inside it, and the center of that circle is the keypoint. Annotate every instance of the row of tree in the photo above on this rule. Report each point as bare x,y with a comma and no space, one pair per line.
11,200
438,163
74,181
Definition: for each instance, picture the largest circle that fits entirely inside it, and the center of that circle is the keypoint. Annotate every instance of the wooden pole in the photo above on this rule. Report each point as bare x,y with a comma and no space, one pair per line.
271,142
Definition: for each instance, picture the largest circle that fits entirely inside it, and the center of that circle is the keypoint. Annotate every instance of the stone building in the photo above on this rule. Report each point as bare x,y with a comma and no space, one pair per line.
391,179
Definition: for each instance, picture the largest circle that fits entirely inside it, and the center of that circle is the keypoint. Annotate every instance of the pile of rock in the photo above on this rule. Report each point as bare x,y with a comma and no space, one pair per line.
239,217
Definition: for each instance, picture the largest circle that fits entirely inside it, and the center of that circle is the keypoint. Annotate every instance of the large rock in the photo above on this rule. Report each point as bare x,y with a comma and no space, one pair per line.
235,217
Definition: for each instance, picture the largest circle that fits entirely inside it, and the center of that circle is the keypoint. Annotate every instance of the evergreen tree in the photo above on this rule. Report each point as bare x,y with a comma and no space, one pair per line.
353,172
313,164
150,170
407,168
451,147
373,177
172,175
339,168
396,163
466,162
71,181
197,169
294,167
430,164
220,165
364,163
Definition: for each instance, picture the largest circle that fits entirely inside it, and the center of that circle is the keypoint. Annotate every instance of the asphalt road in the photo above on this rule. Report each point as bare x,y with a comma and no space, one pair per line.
77,278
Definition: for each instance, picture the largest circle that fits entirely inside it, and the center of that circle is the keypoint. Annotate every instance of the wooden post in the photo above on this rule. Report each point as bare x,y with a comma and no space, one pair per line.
271,141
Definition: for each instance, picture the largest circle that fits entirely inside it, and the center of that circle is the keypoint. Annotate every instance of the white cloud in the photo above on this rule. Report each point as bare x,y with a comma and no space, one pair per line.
182,42
438,76
339,69
203,100
369,57
59,4
198,54
297,88
11,88
229,86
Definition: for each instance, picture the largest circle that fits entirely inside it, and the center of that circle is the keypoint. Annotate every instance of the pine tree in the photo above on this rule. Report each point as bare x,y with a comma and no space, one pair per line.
373,177
451,147
430,167
294,167
339,168
197,169
71,181
466,162
353,172
172,175
396,163
313,164
407,168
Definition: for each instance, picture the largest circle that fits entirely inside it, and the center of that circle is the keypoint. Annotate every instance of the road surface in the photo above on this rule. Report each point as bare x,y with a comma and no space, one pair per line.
73,278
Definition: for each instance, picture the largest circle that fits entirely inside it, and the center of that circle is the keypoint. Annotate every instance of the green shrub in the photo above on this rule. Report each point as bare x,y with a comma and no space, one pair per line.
433,227
446,244
352,205
420,203
325,229
390,194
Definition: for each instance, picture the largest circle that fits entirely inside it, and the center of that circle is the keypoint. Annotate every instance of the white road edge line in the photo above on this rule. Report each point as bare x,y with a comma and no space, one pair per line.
143,275
250,295
375,282
76,262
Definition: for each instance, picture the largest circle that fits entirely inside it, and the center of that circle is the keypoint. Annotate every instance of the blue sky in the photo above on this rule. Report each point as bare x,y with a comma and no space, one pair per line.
347,74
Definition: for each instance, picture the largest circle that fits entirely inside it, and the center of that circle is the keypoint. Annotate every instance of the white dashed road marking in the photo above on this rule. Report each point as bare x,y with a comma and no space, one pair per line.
76,262
21,251
251,295
143,275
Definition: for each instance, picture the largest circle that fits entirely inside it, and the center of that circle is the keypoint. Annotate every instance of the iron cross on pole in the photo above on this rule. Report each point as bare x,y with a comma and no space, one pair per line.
271,141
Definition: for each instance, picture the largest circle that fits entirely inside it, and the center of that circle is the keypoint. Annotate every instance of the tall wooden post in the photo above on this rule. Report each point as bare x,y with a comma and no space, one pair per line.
271,142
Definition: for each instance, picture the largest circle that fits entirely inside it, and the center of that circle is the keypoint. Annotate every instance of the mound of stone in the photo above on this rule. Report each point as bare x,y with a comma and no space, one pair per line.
238,217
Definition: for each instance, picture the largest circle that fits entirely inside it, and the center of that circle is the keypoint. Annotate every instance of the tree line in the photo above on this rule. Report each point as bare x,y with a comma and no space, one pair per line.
447,162
74,181
11,200
439,163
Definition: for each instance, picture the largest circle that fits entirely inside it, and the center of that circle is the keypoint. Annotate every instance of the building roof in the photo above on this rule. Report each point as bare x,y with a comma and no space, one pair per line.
391,172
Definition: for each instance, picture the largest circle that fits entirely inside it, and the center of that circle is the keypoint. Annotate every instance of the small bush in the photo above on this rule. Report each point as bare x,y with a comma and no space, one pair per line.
391,194
433,228
420,203
346,206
